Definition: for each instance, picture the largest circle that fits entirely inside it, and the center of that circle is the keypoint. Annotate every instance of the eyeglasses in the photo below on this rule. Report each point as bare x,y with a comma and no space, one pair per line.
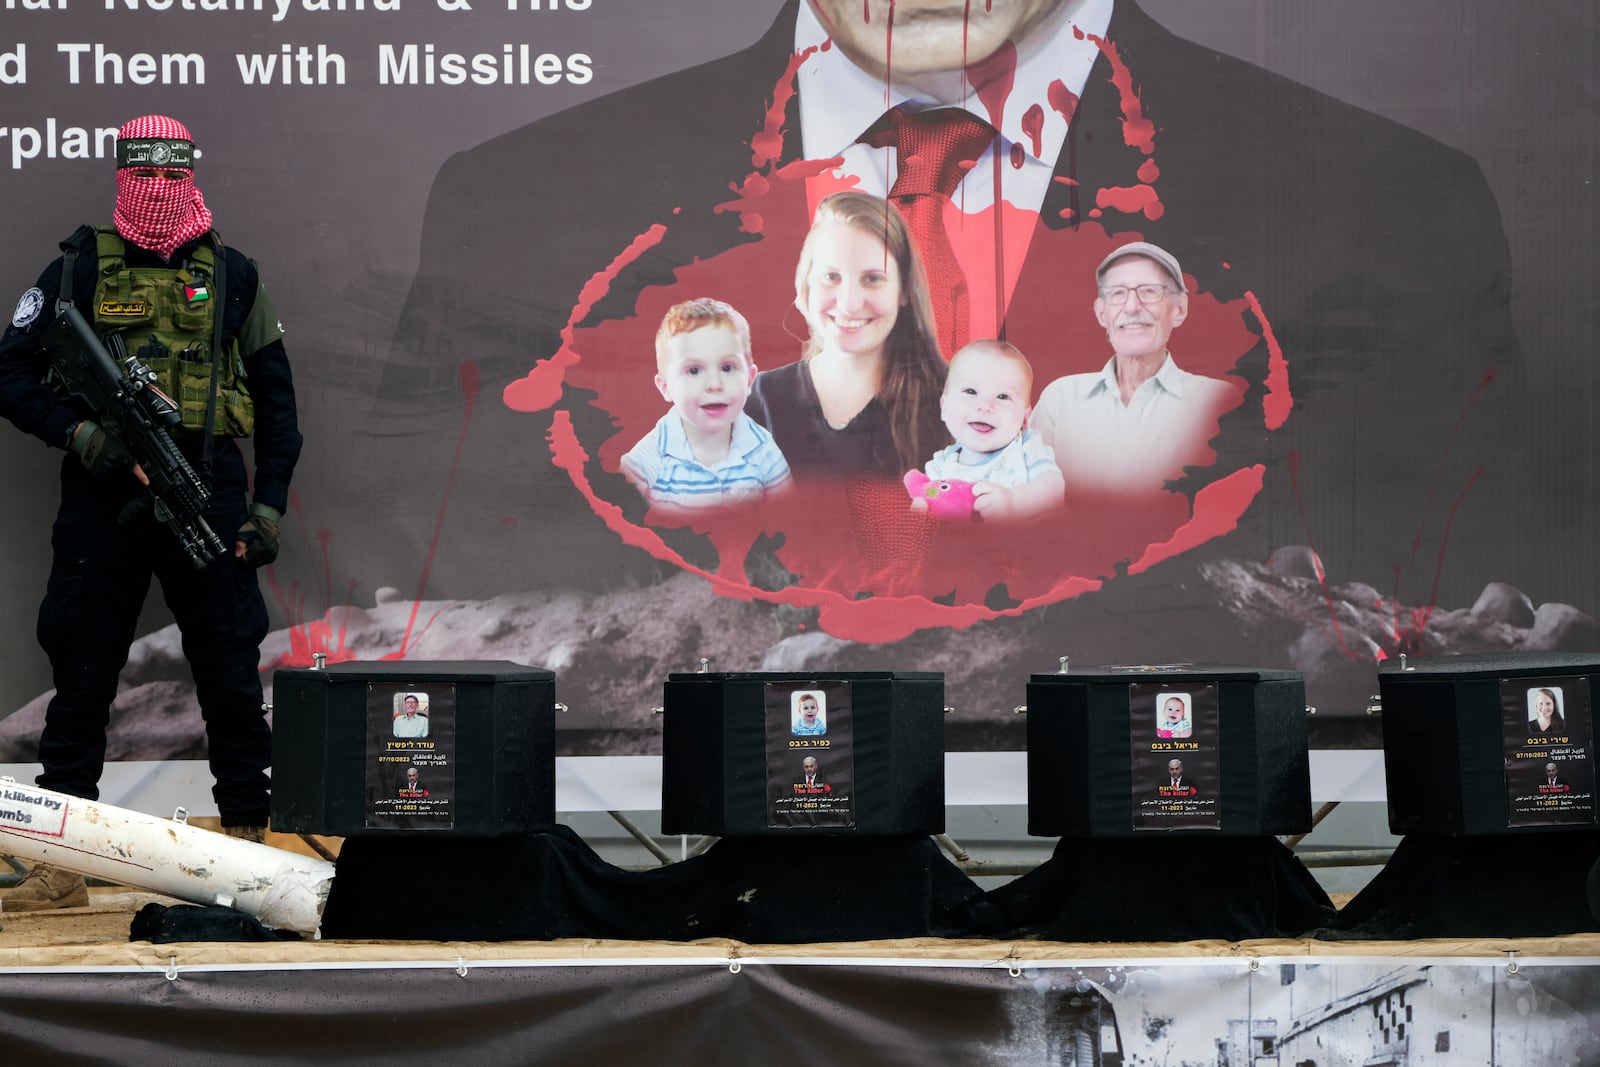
1147,294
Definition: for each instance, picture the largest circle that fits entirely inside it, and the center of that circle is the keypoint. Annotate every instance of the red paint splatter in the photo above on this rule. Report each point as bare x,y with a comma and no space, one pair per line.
1063,100
328,635
306,638
1409,637
1444,460
1137,130
1033,127
408,645
999,250
541,387
1018,157
1278,402
570,456
1131,200
1217,510
992,80
888,52
1408,625
1149,172
1327,597
767,145
469,392
878,620
966,33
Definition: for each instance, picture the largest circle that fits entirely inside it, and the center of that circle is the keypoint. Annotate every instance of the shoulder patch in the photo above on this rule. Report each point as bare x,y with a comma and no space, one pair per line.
28,308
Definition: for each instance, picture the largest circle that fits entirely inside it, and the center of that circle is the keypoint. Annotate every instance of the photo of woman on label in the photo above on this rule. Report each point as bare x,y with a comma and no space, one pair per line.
1544,713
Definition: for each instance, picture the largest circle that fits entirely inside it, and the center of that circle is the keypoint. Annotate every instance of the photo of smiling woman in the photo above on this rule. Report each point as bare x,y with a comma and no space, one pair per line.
864,397
1544,713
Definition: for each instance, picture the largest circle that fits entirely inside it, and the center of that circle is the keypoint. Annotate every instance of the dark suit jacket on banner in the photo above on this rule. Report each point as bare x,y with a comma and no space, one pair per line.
1376,254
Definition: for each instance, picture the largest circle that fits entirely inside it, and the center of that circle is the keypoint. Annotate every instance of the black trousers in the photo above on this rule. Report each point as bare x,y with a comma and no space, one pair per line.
98,581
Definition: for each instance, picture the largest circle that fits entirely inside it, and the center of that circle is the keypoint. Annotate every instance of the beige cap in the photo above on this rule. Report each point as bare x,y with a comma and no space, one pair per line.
1143,248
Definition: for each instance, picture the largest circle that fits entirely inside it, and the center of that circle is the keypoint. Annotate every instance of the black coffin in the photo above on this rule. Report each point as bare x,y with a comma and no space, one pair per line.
735,752
463,749
1464,752
1098,765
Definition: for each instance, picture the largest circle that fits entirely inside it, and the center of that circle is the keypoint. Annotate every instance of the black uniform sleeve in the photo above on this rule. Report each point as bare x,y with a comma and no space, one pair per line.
24,398
267,376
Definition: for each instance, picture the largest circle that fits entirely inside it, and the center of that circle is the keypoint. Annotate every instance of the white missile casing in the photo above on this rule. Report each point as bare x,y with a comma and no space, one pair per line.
284,890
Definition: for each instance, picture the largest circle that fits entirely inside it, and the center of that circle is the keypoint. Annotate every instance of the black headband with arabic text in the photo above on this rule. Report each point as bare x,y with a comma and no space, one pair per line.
155,152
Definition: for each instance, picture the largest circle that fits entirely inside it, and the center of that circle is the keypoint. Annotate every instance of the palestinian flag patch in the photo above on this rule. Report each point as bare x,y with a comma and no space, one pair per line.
196,293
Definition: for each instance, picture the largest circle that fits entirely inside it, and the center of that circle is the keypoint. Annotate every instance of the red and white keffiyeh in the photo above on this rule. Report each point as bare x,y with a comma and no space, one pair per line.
158,214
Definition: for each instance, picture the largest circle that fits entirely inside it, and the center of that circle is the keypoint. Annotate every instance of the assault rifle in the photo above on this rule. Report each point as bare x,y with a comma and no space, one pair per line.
127,403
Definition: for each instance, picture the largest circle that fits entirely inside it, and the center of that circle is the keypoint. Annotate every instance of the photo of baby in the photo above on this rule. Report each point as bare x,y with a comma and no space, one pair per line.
1005,468
808,717
1172,716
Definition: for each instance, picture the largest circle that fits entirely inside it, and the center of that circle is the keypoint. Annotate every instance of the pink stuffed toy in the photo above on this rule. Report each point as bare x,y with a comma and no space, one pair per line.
947,499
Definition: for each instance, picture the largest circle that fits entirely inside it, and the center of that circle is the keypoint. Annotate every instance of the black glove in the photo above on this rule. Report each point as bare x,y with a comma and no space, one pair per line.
102,453
257,540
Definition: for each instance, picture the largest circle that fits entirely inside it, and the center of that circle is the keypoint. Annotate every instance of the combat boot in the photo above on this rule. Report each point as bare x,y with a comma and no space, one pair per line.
47,887
258,834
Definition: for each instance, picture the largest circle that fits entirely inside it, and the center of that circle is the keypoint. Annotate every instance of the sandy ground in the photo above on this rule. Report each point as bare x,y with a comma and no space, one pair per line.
104,921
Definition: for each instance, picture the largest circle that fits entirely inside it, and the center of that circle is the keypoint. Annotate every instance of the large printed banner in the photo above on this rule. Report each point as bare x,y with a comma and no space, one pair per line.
1195,1012
611,349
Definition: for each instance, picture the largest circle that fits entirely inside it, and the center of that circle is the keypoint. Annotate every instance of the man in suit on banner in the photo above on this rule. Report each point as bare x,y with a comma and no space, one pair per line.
1178,784
811,780
1553,782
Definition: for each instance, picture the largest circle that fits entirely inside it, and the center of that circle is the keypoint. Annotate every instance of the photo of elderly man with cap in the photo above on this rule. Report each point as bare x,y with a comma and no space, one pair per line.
193,310
1140,419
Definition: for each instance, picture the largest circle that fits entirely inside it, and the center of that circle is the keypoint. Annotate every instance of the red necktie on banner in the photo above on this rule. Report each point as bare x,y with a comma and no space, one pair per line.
934,150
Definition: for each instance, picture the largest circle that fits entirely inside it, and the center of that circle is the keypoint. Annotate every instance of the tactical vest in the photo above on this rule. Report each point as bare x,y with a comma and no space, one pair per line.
169,317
